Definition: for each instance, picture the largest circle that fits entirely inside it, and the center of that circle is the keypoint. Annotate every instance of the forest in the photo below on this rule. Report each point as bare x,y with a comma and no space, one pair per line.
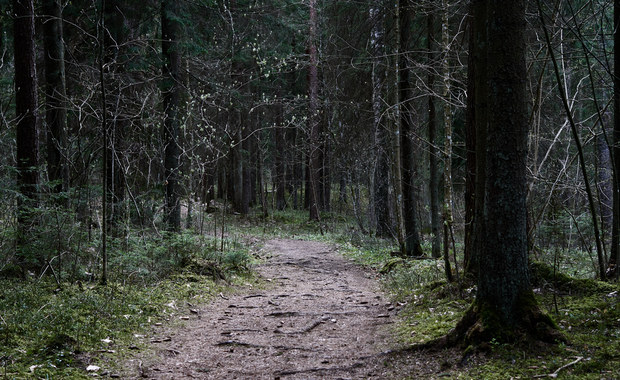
161,157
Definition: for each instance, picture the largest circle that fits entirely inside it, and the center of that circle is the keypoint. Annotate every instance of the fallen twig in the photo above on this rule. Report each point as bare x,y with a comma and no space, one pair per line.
237,343
319,369
557,371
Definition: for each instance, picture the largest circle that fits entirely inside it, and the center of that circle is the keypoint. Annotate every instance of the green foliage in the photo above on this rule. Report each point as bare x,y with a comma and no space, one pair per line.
58,329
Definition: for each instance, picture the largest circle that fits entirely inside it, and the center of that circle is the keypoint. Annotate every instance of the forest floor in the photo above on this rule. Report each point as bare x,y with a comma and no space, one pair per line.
319,315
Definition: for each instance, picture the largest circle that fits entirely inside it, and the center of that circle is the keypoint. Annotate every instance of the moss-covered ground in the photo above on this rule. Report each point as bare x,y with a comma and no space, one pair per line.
51,331
586,311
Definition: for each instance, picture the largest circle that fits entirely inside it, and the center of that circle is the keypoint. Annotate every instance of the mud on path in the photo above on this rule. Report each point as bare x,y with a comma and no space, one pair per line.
323,317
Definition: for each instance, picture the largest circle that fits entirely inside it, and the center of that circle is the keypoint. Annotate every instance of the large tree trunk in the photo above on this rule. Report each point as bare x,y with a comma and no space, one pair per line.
505,308
504,283
55,95
172,99
505,305
381,179
479,53
433,151
412,235
27,139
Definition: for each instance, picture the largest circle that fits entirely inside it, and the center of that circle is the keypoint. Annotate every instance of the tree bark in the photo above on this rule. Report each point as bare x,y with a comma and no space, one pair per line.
115,36
381,179
503,282
412,235
447,153
604,184
470,146
314,124
612,267
505,309
27,138
171,101
395,120
433,151
481,125
55,96
280,160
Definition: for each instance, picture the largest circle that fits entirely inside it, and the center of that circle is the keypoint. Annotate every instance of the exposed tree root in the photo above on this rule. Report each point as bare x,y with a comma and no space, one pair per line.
319,369
477,329
236,343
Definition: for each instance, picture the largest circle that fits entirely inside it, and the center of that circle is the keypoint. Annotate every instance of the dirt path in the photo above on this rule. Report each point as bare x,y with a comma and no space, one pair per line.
322,318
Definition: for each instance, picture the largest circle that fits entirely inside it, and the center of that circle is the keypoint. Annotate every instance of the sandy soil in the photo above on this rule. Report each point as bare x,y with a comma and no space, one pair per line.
323,317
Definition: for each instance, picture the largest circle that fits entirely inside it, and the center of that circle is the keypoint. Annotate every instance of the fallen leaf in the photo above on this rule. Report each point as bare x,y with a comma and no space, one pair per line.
93,368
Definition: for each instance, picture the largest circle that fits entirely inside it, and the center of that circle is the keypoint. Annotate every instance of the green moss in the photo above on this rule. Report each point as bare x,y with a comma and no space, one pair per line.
59,330
543,275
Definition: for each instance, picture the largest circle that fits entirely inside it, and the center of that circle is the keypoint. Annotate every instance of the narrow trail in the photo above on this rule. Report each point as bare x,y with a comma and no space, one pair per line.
323,317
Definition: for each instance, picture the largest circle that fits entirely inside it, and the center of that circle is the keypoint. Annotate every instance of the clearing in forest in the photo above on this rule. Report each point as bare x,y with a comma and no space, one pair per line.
322,316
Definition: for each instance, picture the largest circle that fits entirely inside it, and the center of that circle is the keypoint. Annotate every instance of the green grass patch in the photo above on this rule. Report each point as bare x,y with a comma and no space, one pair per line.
52,331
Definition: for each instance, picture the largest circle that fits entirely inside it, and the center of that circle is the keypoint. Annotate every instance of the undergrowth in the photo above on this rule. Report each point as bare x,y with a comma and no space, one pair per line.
51,329
587,312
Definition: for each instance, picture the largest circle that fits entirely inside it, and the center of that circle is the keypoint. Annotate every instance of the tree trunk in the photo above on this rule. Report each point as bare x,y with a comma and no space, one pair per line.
381,179
479,53
314,124
612,267
412,235
396,139
115,36
172,99
27,139
505,309
325,172
470,147
280,161
604,184
433,151
505,299
246,170
55,96
447,154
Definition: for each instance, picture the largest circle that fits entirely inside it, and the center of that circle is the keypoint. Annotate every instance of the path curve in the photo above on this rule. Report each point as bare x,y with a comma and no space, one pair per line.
324,317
